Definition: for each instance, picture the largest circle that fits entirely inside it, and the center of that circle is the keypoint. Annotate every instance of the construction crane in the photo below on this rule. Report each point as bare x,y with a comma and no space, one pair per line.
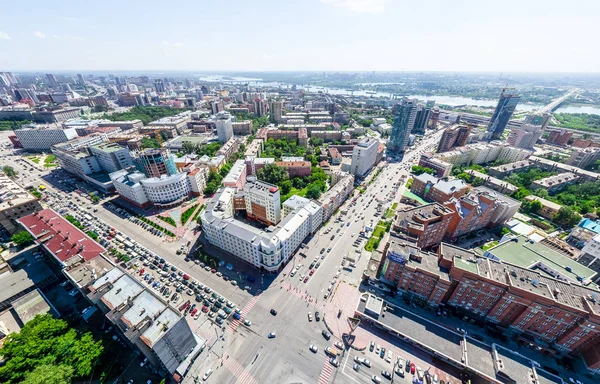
158,137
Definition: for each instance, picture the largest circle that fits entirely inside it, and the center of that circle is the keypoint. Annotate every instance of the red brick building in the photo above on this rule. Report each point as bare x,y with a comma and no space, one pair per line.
423,226
431,188
296,168
559,316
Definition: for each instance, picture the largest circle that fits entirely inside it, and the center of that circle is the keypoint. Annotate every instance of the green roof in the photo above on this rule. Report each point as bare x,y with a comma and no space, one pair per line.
466,265
108,147
526,254
411,195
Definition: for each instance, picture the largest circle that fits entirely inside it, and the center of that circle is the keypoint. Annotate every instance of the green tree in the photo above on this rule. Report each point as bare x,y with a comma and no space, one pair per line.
532,206
47,341
225,169
50,374
464,177
541,192
211,188
417,170
316,141
272,173
477,182
566,217
521,193
313,192
286,187
9,171
22,238
149,142
299,182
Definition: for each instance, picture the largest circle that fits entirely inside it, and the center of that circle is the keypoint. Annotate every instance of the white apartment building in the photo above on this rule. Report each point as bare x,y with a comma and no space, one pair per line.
364,156
43,137
337,195
224,126
236,178
165,190
267,249
262,201
479,153
315,210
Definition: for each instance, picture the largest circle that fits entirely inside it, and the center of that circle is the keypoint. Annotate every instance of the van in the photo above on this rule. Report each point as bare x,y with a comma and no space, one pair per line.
332,352
207,374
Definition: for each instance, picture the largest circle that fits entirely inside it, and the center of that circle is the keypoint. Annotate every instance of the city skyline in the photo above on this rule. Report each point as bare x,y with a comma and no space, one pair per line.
349,35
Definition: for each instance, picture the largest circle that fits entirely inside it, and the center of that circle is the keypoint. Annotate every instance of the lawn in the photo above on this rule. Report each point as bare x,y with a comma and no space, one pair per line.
185,216
35,159
168,219
489,245
294,191
50,161
375,238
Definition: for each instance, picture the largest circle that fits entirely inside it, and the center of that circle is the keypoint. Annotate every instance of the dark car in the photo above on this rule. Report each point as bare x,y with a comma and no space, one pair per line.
273,312
332,237
407,366
386,374
326,334
317,316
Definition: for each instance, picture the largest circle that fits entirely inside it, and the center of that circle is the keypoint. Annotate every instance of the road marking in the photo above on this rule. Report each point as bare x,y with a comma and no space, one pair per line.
241,374
236,323
326,372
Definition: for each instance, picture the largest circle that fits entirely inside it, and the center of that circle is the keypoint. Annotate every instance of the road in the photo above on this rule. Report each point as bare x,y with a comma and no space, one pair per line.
251,357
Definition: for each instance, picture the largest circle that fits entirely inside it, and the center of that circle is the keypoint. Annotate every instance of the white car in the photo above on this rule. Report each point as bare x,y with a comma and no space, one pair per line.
313,348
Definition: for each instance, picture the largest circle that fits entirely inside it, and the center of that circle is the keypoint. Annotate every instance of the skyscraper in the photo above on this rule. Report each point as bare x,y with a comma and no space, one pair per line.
52,80
224,126
422,117
80,79
504,110
455,136
530,130
404,121
276,111
158,84
260,107
364,156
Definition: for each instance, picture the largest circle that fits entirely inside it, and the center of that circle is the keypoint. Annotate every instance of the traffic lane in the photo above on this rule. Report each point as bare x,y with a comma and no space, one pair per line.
408,352
365,373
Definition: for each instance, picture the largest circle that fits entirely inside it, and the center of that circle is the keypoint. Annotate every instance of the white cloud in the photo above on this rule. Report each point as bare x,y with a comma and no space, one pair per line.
39,35
178,45
4,36
359,6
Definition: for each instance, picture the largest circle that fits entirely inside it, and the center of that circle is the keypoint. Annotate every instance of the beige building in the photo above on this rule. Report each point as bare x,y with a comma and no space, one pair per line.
15,202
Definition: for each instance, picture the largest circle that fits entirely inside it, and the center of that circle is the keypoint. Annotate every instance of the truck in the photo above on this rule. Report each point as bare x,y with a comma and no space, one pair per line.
332,351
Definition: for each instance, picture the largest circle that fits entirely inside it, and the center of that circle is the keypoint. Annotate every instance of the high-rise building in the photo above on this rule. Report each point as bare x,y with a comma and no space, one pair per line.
502,114
422,117
80,79
8,78
276,111
260,107
364,156
155,162
561,137
262,201
52,81
216,107
224,126
434,118
404,121
530,130
455,136
158,84
584,157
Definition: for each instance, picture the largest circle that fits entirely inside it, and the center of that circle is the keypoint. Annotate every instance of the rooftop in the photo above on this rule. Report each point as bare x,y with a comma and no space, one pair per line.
14,283
62,239
526,254
589,224
413,257
12,194
30,305
559,179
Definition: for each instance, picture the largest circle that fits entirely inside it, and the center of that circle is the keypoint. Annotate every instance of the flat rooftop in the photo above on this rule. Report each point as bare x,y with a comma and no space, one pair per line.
523,253
13,284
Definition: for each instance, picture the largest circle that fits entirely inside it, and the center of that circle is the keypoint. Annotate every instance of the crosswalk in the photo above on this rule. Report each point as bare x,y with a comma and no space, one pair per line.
240,373
326,372
236,323
318,306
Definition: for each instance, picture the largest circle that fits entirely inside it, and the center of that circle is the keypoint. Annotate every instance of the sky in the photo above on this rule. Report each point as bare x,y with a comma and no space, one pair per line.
309,35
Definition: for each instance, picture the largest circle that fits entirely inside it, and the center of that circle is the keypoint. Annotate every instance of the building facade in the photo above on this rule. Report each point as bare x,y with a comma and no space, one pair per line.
262,201
364,156
502,114
404,121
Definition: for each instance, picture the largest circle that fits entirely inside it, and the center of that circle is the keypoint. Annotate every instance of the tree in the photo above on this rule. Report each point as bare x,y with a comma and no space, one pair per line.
477,182
272,173
532,206
211,188
225,169
521,193
149,142
316,141
47,341
50,374
286,187
9,171
22,238
566,217
464,177
299,182
541,192
313,192
417,170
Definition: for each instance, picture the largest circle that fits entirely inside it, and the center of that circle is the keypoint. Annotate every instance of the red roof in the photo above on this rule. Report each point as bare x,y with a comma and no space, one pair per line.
60,237
273,189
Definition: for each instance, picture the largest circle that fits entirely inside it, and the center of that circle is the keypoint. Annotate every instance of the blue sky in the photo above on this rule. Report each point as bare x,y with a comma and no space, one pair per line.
385,35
